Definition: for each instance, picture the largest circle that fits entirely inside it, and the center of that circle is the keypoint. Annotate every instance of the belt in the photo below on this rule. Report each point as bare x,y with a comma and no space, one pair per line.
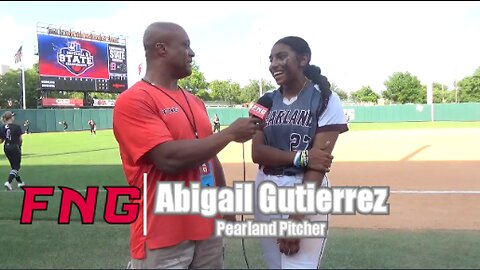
10,144
277,171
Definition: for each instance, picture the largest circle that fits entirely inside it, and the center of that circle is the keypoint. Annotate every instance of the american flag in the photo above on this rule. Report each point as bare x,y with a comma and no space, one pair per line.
18,55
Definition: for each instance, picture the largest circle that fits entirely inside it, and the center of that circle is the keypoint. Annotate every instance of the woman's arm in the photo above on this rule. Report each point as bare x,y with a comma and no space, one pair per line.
272,157
324,141
267,155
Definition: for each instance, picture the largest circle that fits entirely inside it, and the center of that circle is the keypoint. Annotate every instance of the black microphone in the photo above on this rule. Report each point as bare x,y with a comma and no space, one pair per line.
261,108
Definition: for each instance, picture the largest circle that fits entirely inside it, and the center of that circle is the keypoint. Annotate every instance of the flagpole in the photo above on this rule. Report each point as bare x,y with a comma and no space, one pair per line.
23,80
260,53
23,85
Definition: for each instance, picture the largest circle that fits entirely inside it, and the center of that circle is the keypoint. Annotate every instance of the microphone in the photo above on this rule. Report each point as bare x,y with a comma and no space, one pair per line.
261,108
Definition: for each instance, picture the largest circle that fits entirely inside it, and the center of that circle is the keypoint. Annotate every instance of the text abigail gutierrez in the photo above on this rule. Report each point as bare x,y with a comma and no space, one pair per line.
174,198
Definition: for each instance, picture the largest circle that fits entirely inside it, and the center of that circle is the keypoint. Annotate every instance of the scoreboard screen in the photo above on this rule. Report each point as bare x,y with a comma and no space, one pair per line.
70,63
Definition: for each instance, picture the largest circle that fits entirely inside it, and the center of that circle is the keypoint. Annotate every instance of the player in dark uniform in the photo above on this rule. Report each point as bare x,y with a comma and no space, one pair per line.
11,134
65,125
93,127
26,124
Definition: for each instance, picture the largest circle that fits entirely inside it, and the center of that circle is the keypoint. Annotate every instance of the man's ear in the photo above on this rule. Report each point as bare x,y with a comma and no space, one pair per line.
161,48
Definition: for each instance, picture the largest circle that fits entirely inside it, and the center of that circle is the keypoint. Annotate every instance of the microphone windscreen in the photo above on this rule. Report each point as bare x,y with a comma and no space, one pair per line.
258,111
265,101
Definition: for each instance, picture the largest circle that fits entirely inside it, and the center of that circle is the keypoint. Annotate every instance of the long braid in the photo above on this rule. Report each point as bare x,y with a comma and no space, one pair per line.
314,73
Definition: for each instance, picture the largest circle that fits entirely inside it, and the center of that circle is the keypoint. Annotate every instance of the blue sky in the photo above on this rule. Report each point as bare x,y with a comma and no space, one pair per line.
355,43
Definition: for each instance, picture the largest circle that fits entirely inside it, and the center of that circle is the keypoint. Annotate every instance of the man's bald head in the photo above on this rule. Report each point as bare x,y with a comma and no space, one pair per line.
167,50
160,32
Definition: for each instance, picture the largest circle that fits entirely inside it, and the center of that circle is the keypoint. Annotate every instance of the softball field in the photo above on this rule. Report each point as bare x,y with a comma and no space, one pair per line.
433,175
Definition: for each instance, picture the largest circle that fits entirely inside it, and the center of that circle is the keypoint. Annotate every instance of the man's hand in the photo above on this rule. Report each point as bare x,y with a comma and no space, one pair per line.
243,129
297,217
231,218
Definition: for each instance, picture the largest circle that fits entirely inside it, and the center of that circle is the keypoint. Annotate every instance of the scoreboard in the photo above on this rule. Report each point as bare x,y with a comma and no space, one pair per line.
77,61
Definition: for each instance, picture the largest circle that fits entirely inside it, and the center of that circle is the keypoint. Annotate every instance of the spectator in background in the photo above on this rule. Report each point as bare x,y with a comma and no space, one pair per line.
347,117
216,124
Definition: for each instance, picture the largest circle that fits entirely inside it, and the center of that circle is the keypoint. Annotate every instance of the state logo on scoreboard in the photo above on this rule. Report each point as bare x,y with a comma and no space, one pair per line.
75,59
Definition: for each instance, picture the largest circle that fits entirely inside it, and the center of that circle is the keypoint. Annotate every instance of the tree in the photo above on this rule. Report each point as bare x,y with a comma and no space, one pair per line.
343,95
195,82
477,72
469,88
404,88
99,95
203,95
216,89
69,94
251,91
365,94
225,91
440,93
32,81
11,88
450,96
233,93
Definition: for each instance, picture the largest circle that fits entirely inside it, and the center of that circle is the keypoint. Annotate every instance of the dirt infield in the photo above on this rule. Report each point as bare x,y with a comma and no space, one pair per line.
438,161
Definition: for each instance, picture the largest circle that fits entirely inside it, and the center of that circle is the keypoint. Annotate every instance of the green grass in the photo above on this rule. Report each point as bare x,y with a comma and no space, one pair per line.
371,248
48,245
78,160
411,125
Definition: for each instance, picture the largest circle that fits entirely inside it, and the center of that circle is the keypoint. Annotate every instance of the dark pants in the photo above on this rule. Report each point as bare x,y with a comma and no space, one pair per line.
14,155
216,127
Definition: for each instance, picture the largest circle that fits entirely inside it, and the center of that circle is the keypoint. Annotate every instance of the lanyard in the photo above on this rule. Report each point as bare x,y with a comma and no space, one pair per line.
192,125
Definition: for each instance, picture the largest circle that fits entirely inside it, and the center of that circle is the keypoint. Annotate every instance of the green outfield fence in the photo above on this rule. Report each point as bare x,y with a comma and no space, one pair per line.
46,120
413,113
386,114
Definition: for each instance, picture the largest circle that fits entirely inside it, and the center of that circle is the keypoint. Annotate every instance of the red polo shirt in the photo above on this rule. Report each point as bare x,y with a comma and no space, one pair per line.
143,118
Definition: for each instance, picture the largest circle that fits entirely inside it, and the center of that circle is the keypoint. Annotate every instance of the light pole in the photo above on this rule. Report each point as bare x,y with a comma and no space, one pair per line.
260,89
456,90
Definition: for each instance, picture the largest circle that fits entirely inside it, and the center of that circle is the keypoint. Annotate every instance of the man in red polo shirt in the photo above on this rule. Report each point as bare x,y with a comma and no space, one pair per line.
165,131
